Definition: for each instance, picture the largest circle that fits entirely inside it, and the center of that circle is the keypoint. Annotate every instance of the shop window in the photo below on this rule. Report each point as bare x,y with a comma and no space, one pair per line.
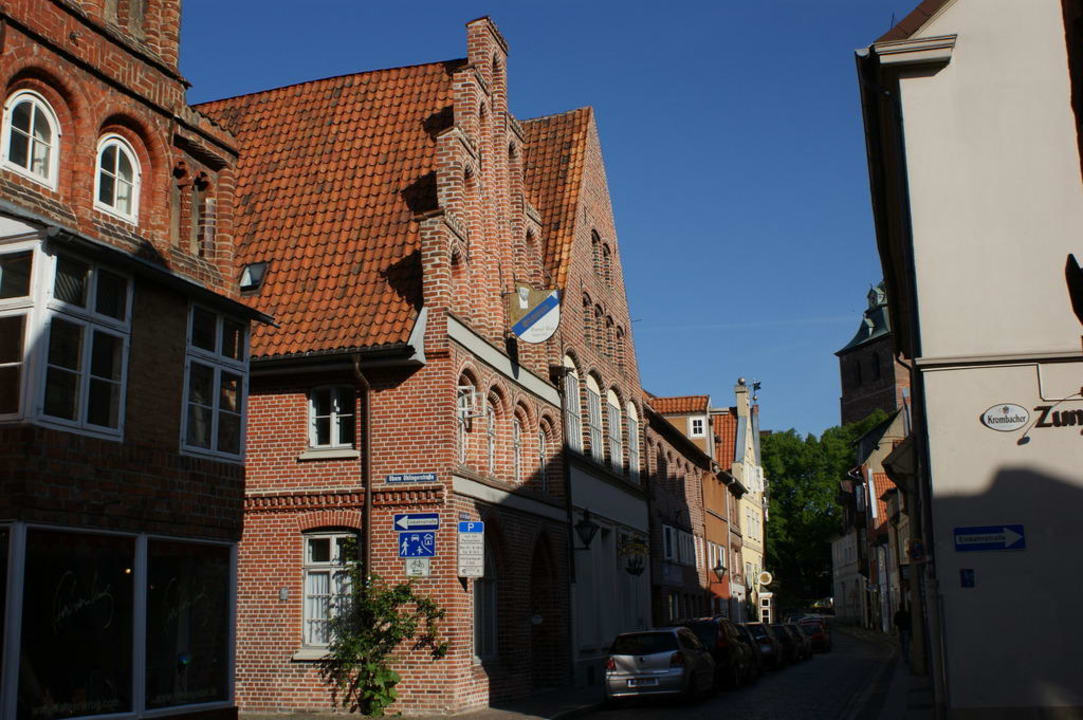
485,617
117,178
31,137
331,417
216,383
328,559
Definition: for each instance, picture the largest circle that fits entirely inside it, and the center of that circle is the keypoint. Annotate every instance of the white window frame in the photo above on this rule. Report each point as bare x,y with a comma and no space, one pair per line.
633,443
573,419
702,426
336,391
27,307
490,435
517,448
543,458
466,399
219,364
616,431
336,569
594,419
49,180
122,145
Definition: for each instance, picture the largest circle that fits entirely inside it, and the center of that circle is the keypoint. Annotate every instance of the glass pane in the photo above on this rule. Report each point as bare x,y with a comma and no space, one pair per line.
39,164
15,274
229,397
65,344
11,338
105,188
319,550
344,400
124,167
42,131
109,159
19,149
103,404
61,393
229,433
71,281
347,550
199,426
204,327
9,393
124,197
112,297
346,430
323,431
321,401
106,356
187,623
232,339
20,116
201,384
76,656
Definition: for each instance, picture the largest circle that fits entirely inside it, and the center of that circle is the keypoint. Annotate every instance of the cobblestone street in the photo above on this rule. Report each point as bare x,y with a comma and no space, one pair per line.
838,684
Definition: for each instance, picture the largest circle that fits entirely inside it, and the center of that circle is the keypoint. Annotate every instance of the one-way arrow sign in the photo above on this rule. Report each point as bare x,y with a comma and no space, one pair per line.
990,537
417,521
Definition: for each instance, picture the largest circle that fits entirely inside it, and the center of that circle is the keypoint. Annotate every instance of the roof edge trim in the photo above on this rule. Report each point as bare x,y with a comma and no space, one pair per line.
936,49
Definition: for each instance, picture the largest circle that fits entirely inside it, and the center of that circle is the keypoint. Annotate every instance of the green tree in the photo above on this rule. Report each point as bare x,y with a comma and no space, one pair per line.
803,476
378,617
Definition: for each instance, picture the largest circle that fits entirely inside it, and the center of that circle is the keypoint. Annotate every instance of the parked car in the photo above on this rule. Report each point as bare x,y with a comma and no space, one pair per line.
662,661
759,663
768,644
818,632
804,643
791,646
734,662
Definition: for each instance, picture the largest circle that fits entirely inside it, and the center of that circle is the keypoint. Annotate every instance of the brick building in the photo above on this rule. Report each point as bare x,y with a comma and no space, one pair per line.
872,377
123,371
385,218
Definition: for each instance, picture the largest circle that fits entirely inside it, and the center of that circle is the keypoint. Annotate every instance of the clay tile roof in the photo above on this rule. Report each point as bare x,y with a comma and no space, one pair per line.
555,148
913,21
331,175
724,425
682,405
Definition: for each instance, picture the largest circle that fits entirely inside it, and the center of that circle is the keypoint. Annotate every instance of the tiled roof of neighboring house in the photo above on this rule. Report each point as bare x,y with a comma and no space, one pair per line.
913,21
883,482
681,405
331,176
724,425
555,148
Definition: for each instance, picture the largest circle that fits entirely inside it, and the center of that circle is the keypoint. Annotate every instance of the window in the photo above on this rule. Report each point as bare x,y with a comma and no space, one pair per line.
669,536
31,138
594,419
607,264
16,302
633,442
466,399
517,448
596,252
697,427
543,458
616,447
490,435
328,556
485,610
216,381
116,181
252,276
331,417
573,420
588,321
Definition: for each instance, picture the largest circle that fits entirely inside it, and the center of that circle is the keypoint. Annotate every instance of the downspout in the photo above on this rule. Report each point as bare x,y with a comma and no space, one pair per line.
366,462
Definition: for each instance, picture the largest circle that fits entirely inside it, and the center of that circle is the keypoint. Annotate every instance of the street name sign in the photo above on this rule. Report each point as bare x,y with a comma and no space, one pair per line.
990,537
426,477
418,566
471,549
417,544
417,521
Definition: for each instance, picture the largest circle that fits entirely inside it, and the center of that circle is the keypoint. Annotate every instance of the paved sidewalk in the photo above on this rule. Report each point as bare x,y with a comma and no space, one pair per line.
894,694
557,704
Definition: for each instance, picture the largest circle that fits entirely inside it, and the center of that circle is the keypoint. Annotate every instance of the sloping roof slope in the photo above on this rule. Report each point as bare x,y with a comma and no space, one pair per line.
681,405
913,20
555,148
724,425
331,175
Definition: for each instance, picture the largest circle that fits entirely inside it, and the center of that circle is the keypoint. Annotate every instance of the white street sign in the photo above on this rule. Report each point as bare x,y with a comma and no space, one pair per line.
418,567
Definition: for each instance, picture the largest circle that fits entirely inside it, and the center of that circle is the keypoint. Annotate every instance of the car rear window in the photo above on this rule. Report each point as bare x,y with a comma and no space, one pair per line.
705,631
644,644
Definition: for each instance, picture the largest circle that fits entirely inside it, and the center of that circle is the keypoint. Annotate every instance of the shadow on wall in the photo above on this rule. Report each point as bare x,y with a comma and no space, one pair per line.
1018,610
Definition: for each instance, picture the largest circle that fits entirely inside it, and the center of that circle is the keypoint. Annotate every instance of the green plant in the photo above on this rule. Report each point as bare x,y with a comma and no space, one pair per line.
375,619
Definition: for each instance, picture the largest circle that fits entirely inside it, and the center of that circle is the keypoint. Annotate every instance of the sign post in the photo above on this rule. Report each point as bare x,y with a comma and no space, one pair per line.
471,549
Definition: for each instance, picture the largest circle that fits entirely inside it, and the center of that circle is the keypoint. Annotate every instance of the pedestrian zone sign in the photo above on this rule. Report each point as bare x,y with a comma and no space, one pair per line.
417,544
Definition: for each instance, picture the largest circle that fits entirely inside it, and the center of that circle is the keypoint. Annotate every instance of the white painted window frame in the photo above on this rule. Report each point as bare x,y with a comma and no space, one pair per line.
634,461
53,173
333,568
335,435
517,448
123,146
615,439
702,431
594,423
573,420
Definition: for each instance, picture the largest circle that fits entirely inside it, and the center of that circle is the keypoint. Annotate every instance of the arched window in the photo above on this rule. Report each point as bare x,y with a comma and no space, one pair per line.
616,446
465,409
485,609
588,321
573,417
543,457
607,264
31,137
608,337
596,252
116,179
633,442
490,434
517,448
599,328
594,418
620,347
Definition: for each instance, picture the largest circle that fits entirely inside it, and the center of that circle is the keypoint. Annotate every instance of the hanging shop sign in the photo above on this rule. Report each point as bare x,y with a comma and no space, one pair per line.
1005,417
534,314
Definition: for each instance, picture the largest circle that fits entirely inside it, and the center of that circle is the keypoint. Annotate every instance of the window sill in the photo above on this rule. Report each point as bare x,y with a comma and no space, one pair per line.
330,454
310,654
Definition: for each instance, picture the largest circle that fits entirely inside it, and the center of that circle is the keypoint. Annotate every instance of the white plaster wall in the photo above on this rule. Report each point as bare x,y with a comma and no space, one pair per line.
994,174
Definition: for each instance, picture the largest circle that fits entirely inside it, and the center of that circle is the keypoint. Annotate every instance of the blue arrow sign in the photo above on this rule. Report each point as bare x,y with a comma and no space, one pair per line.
417,544
990,537
472,526
416,521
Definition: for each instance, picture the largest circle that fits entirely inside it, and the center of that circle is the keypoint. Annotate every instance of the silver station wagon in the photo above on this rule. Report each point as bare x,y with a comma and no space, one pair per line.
663,661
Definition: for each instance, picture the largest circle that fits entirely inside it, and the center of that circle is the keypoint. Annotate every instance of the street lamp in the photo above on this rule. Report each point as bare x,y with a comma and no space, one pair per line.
719,571
586,529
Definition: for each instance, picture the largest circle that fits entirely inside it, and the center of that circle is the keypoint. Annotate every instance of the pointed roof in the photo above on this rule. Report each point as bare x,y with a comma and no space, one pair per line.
555,150
875,323
913,21
332,174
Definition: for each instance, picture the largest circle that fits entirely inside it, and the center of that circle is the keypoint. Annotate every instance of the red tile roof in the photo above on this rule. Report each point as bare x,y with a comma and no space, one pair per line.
913,21
555,148
883,483
681,405
724,426
331,175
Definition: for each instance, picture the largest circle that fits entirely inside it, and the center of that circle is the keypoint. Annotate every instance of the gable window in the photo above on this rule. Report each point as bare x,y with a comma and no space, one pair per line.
594,419
31,138
331,417
573,420
328,557
116,179
616,447
697,427
216,381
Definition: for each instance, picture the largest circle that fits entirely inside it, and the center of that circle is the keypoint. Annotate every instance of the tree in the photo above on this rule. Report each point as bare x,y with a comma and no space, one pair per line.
803,476
378,617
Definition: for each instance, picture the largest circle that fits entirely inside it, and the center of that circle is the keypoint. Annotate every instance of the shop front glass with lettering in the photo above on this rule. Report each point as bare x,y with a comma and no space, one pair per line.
76,654
187,623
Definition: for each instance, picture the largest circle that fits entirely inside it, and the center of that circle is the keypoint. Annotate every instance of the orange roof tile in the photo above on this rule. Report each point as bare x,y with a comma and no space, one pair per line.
681,405
555,148
913,20
724,426
330,177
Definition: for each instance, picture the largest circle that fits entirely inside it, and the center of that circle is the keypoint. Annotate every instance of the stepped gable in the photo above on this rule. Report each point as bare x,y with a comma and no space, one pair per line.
555,150
332,175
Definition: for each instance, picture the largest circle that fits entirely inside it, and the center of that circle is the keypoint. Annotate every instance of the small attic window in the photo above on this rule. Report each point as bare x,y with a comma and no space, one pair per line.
252,276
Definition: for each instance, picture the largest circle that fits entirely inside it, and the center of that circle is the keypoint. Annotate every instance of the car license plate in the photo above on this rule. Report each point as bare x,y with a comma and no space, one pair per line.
641,682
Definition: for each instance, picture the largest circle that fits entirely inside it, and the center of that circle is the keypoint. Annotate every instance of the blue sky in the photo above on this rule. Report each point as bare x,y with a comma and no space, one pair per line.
733,147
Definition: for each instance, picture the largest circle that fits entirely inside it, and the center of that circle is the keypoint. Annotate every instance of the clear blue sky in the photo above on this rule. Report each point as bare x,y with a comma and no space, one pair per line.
733,147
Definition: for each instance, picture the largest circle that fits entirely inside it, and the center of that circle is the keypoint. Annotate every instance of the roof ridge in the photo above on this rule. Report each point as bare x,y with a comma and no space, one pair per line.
587,108
326,79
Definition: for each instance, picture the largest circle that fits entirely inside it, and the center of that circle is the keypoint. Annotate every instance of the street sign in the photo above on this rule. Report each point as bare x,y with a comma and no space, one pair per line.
418,567
471,549
416,521
417,544
990,537
426,477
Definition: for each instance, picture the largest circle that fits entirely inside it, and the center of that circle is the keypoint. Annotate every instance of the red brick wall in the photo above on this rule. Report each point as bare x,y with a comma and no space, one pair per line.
883,392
